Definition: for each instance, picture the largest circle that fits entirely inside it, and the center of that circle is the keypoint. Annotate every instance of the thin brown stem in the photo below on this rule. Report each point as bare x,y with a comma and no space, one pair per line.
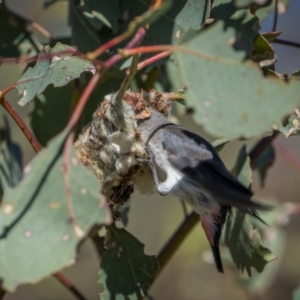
152,59
176,239
275,16
29,135
117,57
287,43
69,285
288,155
34,25
82,101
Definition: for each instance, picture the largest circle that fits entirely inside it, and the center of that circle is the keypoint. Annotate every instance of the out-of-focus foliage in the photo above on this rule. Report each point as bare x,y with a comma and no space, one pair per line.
232,89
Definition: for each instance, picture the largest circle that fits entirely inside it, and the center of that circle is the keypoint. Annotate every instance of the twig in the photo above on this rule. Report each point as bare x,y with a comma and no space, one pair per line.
68,285
34,25
133,27
287,43
288,156
135,41
29,135
275,16
82,101
152,59
176,239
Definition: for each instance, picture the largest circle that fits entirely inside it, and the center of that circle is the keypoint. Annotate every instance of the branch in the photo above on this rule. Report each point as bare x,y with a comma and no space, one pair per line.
34,25
275,16
29,135
82,101
133,27
287,43
135,41
69,285
176,239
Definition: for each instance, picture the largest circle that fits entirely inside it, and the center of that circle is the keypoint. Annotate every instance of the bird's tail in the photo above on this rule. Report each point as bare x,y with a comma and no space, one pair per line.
212,225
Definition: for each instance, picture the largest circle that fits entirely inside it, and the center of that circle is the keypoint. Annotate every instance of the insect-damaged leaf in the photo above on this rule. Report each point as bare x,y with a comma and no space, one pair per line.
242,239
125,270
37,236
242,102
55,66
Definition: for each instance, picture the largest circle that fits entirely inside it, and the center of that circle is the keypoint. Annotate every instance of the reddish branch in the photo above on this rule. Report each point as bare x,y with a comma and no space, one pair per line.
69,285
29,135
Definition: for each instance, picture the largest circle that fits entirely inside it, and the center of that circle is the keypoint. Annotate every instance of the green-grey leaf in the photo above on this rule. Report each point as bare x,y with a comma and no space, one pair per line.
10,160
99,13
244,243
84,35
263,12
296,294
40,231
245,24
291,128
271,36
58,70
51,112
296,74
14,37
263,164
125,270
276,240
184,14
242,239
231,98
220,143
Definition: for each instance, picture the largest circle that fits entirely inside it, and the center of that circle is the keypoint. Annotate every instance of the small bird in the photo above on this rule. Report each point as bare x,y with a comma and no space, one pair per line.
195,173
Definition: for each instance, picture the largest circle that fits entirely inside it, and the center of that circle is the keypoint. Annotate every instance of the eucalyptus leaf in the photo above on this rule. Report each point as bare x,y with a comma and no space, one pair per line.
99,13
10,160
125,270
55,66
40,225
231,98
241,237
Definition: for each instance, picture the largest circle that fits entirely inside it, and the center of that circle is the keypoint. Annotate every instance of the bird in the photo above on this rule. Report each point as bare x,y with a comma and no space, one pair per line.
195,173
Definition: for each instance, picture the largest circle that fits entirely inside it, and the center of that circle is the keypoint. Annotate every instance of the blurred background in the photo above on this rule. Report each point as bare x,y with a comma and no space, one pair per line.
190,274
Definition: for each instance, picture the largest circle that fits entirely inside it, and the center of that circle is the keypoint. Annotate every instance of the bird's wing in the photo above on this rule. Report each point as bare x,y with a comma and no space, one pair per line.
200,163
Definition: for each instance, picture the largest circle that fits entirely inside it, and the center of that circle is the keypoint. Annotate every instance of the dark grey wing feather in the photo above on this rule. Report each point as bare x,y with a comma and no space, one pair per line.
200,163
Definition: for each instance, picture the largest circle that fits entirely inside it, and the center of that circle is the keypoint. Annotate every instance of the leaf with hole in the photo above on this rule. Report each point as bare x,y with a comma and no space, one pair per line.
125,270
241,237
231,98
55,66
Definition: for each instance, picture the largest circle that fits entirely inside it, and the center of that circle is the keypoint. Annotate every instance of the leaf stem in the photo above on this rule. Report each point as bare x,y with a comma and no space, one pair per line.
31,23
82,101
176,239
152,59
117,57
29,135
287,43
68,285
132,28
275,16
